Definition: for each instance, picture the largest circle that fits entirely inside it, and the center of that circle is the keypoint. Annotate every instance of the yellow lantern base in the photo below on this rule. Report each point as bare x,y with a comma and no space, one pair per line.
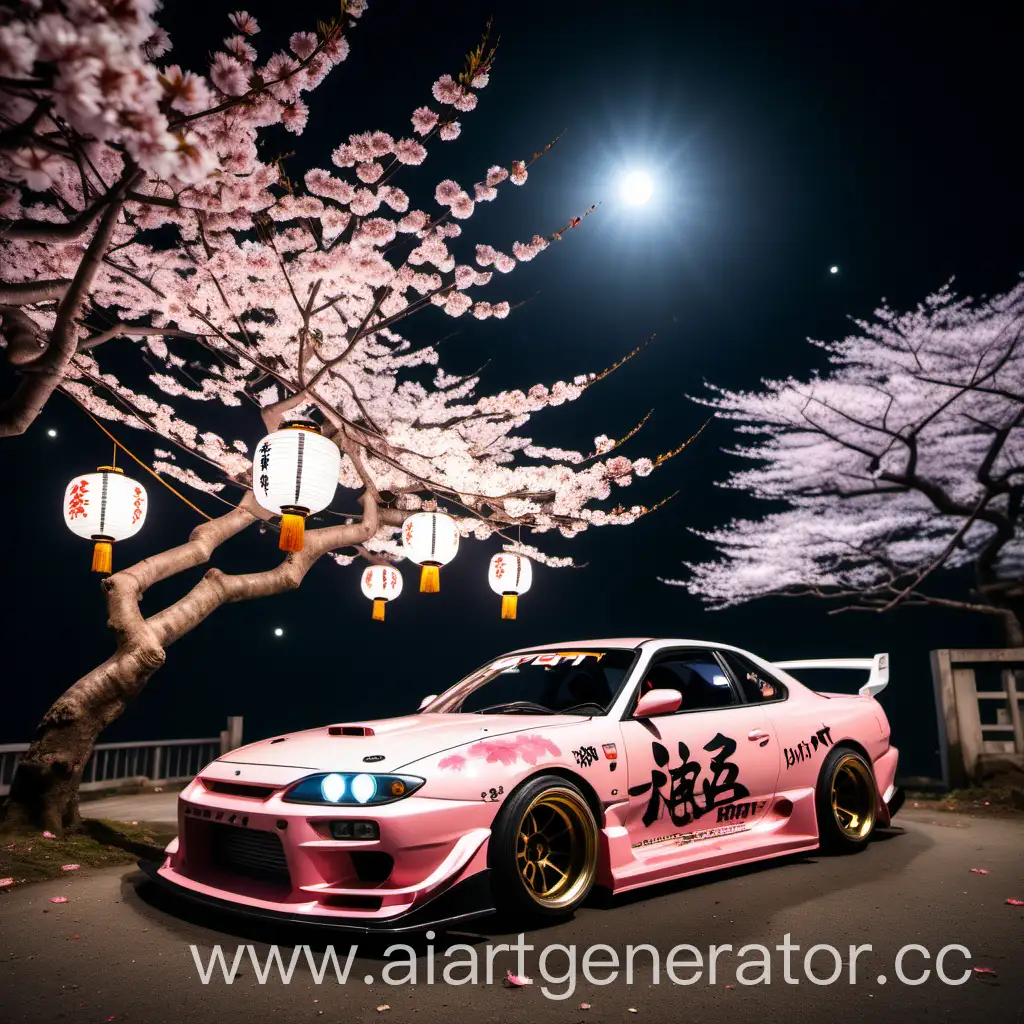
509,604
378,609
430,579
293,532
103,557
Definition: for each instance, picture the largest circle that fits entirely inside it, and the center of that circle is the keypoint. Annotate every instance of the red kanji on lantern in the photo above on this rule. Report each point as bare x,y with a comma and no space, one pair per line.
77,500
140,498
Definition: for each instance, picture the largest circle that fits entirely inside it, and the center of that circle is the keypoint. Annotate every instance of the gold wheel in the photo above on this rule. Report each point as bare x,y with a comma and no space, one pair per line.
853,799
556,848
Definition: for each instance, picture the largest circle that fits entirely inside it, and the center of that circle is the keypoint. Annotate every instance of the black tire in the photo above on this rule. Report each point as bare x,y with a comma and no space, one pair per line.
543,850
846,801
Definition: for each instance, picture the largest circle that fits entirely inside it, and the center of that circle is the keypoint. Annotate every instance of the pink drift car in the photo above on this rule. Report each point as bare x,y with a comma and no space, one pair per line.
617,763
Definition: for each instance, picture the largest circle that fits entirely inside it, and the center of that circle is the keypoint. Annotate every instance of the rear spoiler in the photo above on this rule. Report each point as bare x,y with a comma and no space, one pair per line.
876,667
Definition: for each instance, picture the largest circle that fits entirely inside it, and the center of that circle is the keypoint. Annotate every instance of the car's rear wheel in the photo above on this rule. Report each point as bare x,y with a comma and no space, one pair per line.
543,849
846,801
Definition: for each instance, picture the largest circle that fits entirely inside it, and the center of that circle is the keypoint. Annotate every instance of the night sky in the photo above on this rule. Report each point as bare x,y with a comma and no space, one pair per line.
782,139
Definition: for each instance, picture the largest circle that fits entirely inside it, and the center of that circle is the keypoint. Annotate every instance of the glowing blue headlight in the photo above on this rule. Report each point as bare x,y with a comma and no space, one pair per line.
333,787
364,787
341,789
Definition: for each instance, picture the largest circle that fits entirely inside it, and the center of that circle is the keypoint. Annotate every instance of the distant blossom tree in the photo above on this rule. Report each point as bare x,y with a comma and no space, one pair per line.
145,225
904,458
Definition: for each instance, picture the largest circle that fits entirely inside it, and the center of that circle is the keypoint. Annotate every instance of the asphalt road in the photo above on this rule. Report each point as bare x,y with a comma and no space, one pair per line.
119,950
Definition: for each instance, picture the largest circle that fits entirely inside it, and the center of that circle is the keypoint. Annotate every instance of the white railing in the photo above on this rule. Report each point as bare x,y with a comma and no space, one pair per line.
150,761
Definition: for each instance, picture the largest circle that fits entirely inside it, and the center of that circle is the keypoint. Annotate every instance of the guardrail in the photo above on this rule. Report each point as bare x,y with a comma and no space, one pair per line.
149,761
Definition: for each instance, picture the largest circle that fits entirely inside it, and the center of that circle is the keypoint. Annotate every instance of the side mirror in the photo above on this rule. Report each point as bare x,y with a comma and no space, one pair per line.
658,702
427,700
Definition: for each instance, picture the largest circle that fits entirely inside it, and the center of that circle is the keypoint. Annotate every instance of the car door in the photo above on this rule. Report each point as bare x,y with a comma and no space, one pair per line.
707,769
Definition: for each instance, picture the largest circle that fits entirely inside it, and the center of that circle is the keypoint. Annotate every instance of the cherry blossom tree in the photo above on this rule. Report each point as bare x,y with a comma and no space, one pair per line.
904,459
149,236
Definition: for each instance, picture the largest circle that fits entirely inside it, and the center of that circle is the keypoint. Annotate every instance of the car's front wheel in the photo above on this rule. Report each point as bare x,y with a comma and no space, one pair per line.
543,849
846,801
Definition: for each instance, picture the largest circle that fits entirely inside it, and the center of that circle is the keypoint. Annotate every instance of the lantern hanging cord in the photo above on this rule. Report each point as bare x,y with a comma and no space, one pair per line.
152,472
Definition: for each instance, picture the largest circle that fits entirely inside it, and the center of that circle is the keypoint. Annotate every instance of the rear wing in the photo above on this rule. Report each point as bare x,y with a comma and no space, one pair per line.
876,667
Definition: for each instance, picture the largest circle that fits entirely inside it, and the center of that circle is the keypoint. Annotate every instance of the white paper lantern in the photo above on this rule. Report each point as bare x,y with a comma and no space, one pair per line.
381,583
510,576
105,506
294,474
431,539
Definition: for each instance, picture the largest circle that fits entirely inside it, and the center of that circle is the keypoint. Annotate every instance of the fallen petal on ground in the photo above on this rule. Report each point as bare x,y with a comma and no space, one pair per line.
517,980
58,899
70,867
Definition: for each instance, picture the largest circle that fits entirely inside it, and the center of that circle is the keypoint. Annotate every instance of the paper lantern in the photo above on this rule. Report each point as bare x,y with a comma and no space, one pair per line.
381,583
294,474
510,576
105,506
431,539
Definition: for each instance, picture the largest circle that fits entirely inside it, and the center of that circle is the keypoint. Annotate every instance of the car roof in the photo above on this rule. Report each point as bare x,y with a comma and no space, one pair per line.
627,642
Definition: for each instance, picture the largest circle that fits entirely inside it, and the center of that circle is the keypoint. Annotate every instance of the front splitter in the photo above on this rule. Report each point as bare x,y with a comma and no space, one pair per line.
463,902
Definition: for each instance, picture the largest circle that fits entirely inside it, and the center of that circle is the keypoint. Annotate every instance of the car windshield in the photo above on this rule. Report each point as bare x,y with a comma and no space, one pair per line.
541,683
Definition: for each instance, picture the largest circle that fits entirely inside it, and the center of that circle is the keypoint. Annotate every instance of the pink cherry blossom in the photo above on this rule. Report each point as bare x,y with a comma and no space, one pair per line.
409,151
447,90
423,120
303,44
240,47
228,75
874,468
318,267
244,22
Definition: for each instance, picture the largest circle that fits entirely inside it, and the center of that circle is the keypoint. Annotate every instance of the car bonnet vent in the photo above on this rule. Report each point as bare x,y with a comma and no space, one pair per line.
349,730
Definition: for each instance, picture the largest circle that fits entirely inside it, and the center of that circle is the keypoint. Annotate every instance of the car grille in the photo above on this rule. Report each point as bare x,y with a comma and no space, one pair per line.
249,852
238,789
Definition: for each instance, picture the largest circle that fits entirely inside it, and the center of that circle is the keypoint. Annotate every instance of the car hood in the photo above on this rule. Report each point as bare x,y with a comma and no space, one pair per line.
387,744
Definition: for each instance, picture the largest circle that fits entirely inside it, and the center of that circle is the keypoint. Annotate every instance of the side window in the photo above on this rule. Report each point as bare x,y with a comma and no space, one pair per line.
697,675
756,684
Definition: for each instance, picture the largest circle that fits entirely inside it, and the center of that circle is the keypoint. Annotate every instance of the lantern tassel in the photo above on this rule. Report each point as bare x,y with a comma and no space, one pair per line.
509,603
430,579
293,530
378,609
102,557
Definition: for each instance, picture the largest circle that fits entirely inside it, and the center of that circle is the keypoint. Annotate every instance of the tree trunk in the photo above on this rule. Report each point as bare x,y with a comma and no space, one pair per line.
44,791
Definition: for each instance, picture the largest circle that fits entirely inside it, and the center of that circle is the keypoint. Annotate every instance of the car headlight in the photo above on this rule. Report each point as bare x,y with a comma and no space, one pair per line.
352,789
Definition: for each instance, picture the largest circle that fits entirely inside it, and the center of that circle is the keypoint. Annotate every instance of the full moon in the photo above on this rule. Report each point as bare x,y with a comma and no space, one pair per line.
279,631
637,188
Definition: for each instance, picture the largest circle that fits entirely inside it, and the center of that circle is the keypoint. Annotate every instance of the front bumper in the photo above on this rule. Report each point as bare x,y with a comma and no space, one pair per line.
463,902
258,856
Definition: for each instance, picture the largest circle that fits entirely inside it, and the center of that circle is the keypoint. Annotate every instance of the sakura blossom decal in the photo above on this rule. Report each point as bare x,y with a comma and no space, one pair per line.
503,750
508,750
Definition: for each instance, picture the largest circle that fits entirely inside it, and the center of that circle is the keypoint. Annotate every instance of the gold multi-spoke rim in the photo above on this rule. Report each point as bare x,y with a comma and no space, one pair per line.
853,798
556,848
